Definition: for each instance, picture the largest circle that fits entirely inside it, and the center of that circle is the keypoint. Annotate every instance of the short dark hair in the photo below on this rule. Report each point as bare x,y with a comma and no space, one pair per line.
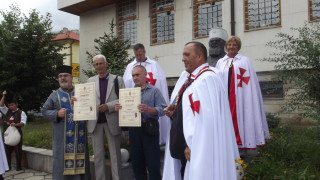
10,97
200,48
142,67
13,100
138,46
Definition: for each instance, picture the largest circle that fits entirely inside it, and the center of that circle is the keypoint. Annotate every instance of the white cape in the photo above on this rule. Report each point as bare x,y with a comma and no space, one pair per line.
160,80
3,157
209,133
252,123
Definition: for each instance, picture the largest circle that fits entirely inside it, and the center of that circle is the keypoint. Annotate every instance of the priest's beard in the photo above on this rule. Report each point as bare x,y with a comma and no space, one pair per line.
64,85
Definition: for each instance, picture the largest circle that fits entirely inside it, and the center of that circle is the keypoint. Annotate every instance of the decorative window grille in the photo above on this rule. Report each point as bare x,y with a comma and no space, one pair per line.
314,10
207,14
162,22
127,23
261,14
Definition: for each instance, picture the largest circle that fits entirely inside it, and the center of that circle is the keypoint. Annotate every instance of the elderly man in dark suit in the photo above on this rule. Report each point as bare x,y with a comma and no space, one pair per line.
107,123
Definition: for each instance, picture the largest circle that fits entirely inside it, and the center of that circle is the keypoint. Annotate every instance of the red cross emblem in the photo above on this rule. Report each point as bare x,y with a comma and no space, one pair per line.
244,79
195,106
151,80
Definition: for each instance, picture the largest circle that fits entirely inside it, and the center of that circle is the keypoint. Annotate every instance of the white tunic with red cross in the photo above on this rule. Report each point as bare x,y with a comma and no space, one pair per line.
249,119
207,128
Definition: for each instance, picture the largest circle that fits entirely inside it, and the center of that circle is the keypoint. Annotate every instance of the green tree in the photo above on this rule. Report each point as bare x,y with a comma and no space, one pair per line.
297,59
28,56
115,51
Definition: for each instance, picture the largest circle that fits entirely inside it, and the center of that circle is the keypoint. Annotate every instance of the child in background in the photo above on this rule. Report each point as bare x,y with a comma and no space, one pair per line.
13,116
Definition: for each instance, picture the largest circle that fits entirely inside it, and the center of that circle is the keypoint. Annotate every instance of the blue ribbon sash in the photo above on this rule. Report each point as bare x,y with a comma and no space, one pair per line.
74,138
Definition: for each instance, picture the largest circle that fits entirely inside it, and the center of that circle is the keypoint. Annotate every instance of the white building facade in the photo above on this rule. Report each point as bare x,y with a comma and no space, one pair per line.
164,26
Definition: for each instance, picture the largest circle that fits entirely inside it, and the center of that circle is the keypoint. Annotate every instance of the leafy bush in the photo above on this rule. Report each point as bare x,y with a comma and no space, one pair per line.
292,153
297,59
273,120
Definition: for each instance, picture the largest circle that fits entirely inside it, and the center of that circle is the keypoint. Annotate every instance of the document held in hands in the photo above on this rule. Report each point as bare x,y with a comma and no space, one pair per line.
129,115
85,106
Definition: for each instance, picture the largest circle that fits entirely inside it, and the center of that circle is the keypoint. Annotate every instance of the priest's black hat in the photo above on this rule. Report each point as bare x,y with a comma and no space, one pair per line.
64,69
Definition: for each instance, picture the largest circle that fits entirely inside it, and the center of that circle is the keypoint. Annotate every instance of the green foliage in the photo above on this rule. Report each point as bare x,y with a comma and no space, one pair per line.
28,57
298,66
115,51
292,153
273,120
38,133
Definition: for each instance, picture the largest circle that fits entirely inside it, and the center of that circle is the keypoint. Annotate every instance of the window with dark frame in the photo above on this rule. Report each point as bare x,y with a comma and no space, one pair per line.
314,10
272,89
207,14
260,14
162,22
127,23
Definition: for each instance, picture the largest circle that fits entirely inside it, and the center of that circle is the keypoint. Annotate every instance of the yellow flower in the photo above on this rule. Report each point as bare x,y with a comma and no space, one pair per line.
244,166
241,161
271,133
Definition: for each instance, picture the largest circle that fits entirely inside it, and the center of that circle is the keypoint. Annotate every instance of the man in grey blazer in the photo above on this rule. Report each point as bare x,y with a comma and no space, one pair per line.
107,123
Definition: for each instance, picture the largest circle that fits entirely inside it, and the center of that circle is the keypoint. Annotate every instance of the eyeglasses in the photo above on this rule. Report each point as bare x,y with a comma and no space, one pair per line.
98,64
64,75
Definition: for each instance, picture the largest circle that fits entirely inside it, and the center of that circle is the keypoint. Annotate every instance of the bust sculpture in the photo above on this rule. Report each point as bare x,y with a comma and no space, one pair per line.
217,40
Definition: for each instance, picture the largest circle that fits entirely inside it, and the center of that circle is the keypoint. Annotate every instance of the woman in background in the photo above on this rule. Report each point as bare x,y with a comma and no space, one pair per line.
245,99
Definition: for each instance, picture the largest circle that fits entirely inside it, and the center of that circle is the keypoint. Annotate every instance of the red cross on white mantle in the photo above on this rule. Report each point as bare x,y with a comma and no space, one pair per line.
195,105
151,80
244,79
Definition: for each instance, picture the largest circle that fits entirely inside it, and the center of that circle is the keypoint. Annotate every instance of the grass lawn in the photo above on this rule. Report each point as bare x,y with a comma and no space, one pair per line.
37,133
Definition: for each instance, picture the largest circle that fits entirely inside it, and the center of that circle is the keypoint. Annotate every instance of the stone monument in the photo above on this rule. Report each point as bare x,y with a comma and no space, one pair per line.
217,40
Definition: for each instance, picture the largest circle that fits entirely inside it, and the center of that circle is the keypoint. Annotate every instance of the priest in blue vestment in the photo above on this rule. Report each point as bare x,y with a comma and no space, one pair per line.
70,149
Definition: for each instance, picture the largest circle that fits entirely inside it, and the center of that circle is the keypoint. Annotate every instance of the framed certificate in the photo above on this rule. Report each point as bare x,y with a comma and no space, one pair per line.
129,115
85,106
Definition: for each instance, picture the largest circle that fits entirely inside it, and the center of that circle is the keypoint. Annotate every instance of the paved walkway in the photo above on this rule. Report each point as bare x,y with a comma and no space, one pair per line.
27,174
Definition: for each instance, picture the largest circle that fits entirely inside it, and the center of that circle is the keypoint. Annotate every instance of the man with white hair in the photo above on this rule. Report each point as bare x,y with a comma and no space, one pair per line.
107,123
217,40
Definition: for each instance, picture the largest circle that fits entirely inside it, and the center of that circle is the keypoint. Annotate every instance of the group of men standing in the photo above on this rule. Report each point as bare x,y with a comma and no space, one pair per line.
196,124
144,149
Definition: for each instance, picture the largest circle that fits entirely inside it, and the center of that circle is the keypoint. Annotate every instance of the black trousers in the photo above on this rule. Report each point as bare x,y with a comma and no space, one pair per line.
18,151
145,154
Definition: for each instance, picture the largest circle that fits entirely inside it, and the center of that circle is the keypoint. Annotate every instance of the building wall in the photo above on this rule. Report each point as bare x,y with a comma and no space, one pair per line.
293,14
72,55
64,3
95,22
92,25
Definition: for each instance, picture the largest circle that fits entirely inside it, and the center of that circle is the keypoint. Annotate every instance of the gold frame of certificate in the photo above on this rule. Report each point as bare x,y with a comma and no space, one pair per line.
129,115
85,107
